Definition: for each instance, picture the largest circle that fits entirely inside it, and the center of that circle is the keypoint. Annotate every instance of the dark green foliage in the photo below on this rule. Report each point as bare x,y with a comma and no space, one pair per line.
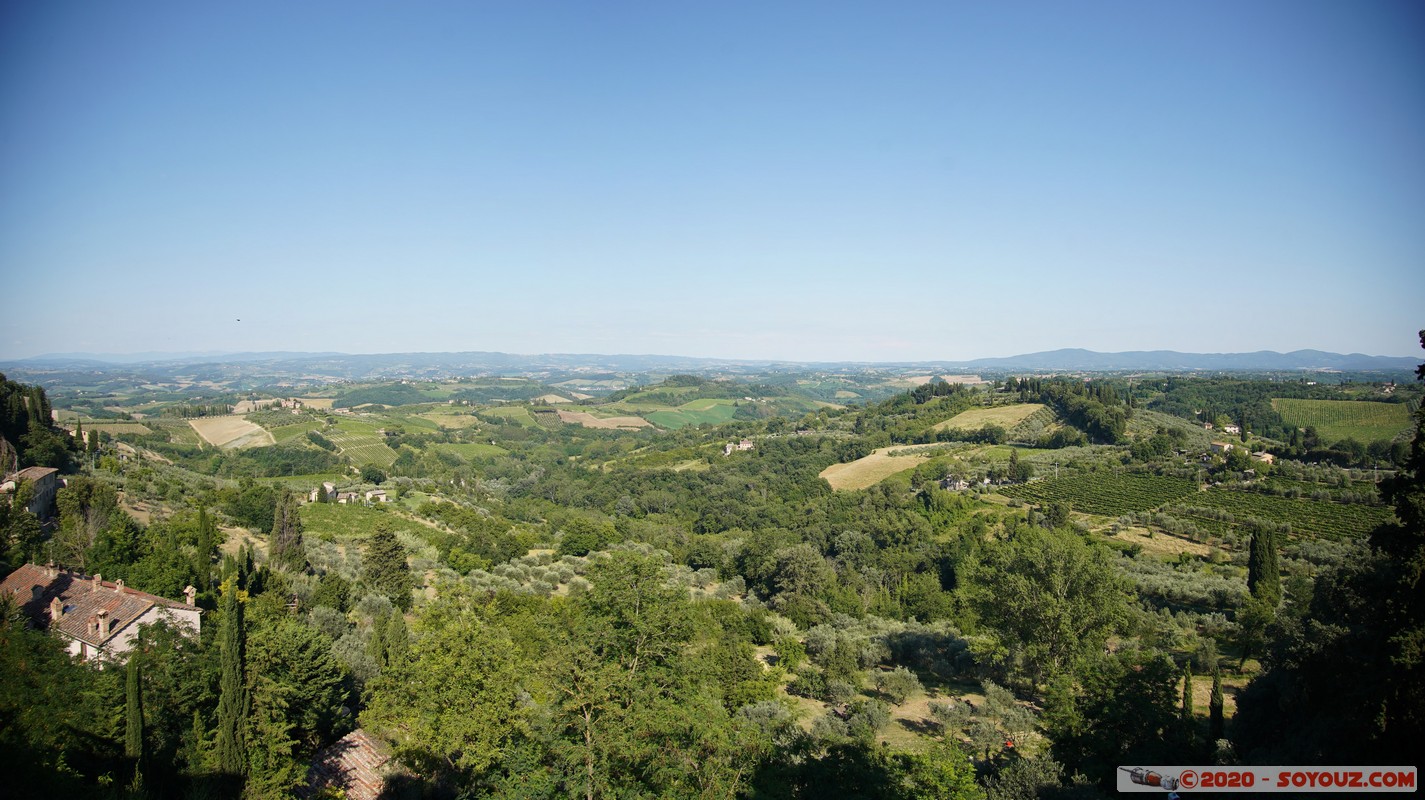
1263,567
231,747
1347,681
384,567
1125,713
285,547
1049,597
316,438
1215,721
133,712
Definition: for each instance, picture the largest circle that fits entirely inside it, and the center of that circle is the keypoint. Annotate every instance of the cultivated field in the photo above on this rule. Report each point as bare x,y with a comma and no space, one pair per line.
1105,493
871,470
553,398
323,403
1335,420
695,412
1004,416
608,423
362,448
1221,509
231,433
118,428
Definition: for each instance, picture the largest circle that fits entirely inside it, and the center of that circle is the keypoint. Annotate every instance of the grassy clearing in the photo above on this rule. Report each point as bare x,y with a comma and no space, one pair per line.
1004,416
231,433
471,450
519,415
1335,420
450,418
1159,544
335,522
323,403
873,469
695,412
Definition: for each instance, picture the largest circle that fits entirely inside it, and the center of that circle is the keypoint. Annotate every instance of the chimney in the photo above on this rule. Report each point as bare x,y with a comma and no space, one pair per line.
56,609
190,594
119,586
50,571
98,581
103,615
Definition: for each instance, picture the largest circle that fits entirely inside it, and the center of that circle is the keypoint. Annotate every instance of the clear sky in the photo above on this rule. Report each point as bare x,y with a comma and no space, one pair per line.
818,180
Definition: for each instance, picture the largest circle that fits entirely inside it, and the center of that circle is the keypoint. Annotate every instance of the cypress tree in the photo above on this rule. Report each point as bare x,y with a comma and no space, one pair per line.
287,550
1263,568
1215,722
384,566
232,694
207,536
1187,693
133,713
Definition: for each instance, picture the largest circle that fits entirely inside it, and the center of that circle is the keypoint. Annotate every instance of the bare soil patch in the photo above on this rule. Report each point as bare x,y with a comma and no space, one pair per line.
608,423
231,432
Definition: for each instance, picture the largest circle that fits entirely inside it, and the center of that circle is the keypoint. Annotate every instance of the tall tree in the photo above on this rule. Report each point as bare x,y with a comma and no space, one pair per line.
232,689
133,712
1051,599
1187,694
1215,720
286,548
384,566
1263,567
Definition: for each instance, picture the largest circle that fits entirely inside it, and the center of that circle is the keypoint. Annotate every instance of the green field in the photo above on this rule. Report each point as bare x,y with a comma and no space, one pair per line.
516,414
471,450
1104,493
332,521
1306,517
1334,420
360,442
1004,416
695,412
301,425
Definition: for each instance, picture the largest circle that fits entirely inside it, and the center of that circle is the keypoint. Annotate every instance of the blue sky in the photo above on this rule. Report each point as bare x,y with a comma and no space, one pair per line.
810,181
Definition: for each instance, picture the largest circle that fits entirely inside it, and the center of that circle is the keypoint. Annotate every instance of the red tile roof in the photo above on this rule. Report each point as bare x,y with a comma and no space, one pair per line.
356,763
82,598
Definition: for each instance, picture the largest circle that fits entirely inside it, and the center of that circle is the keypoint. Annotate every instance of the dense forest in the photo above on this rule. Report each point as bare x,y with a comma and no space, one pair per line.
1036,592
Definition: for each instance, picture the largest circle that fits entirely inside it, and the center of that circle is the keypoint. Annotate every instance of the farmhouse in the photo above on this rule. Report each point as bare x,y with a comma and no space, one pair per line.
45,481
745,444
1264,457
98,619
954,484
1221,447
377,496
1232,428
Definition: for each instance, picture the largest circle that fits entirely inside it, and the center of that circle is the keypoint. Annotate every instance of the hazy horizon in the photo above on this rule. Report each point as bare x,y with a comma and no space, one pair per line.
745,181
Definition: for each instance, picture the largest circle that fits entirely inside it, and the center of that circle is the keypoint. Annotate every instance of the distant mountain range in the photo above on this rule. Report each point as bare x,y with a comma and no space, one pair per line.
372,366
